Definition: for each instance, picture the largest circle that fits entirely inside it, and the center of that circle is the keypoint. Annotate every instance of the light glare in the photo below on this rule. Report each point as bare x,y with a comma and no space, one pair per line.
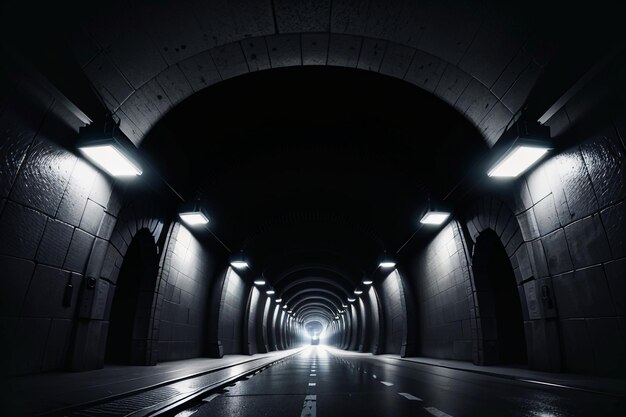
194,218
109,158
387,264
239,264
351,300
269,292
259,282
435,217
358,292
517,161
368,282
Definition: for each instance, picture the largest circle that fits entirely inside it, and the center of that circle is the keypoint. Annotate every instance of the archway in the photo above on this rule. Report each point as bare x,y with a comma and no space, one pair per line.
129,322
501,319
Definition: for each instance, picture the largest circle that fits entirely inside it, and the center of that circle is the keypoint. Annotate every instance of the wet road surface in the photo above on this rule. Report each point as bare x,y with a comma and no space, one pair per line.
325,382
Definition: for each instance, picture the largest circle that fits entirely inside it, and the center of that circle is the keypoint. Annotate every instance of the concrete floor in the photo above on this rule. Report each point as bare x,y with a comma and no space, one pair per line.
326,382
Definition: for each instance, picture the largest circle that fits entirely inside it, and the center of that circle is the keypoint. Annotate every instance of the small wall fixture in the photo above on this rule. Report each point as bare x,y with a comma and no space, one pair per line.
351,300
434,217
270,292
368,282
285,307
239,261
192,214
387,264
259,282
194,218
108,147
278,300
358,292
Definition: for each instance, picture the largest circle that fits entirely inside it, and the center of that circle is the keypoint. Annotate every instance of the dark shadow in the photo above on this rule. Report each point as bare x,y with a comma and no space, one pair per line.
498,302
129,321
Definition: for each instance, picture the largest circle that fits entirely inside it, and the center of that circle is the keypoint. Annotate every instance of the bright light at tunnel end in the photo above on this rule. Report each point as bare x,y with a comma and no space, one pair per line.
517,160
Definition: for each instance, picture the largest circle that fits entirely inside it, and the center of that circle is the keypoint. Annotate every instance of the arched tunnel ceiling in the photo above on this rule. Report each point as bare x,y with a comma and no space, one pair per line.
145,57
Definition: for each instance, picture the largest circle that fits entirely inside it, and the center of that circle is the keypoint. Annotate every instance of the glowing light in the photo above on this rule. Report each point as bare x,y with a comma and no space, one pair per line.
368,282
111,159
343,305
358,292
239,264
194,218
278,300
285,307
270,292
259,282
387,264
517,160
435,217
351,300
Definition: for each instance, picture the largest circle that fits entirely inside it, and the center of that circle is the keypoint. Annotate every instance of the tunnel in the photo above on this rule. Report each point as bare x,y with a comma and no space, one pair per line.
292,207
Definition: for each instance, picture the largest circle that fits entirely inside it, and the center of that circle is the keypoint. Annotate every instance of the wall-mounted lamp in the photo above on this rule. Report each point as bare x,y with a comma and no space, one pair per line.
368,282
278,300
239,261
343,305
270,292
285,307
192,214
434,217
530,142
358,292
351,300
387,262
107,146
259,282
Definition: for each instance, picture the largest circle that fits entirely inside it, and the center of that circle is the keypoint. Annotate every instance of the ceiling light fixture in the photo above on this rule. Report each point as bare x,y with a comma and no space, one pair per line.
270,292
358,292
107,146
368,282
259,282
278,300
351,300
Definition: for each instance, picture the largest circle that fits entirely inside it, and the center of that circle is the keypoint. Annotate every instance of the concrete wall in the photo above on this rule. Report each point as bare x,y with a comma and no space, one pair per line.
184,308
391,294
441,277
232,310
53,208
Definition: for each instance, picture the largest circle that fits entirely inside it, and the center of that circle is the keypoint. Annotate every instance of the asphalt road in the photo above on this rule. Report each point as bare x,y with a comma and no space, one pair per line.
324,382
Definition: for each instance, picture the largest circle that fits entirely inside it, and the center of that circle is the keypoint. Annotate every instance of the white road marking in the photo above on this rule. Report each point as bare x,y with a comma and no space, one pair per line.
210,398
389,384
312,384
309,408
436,412
409,396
